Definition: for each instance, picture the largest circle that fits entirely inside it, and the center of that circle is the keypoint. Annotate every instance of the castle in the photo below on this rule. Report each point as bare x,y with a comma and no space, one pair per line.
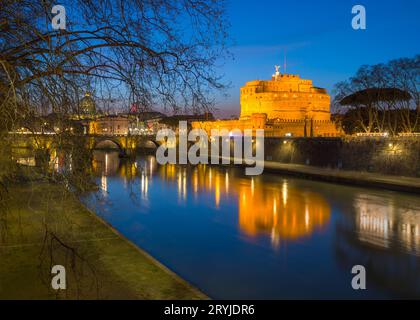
286,105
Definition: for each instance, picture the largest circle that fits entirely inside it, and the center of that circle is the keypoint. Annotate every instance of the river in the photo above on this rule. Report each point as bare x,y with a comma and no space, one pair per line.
265,237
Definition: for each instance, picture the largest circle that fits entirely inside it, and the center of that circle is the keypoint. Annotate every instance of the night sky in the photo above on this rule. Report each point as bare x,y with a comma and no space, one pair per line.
320,43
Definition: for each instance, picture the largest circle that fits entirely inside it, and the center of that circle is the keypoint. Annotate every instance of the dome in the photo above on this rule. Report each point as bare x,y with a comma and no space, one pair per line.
87,104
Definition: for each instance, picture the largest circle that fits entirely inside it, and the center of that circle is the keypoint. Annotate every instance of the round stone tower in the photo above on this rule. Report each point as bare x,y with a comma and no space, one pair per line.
286,97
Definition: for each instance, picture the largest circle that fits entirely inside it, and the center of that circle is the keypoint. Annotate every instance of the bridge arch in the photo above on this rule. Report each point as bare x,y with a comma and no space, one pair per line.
108,144
147,144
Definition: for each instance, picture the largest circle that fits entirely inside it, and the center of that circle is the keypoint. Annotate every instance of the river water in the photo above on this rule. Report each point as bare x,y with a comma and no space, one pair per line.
265,237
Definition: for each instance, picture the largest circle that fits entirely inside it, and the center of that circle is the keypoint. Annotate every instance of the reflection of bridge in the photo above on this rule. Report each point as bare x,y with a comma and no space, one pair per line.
123,143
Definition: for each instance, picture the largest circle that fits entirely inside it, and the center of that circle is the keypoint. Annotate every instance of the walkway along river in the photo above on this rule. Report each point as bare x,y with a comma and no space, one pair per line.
269,236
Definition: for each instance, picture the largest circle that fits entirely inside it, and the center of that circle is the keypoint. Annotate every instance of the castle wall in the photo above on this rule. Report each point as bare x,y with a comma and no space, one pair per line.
394,156
274,128
285,97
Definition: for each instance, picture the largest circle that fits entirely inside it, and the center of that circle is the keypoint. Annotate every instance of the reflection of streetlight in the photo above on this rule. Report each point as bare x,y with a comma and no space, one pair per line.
217,191
151,166
210,178
104,184
144,185
195,182
284,193
106,163
184,184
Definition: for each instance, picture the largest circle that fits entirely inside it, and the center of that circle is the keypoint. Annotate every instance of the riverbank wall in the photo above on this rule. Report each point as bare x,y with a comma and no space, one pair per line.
398,156
53,227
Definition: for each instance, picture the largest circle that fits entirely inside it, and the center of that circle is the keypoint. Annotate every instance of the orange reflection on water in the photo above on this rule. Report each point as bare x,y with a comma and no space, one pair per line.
280,211
276,209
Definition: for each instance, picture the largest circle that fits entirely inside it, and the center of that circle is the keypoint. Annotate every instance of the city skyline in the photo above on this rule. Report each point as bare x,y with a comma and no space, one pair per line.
218,150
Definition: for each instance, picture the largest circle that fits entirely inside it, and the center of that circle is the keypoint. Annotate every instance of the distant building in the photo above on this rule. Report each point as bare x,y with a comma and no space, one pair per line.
88,105
144,123
148,122
173,121
110,125
286,105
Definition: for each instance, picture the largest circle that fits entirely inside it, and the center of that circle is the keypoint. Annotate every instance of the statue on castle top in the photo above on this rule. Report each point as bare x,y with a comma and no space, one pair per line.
277,74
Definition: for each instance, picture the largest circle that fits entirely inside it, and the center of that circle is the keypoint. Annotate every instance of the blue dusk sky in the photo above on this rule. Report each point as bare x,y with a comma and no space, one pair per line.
318,38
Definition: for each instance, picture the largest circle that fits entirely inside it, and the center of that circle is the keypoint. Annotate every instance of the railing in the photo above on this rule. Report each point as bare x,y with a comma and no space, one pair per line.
372,134
409,134
32,133
108,134
386,134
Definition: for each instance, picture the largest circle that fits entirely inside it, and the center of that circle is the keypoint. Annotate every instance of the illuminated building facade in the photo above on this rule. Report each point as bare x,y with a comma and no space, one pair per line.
109,125
286,105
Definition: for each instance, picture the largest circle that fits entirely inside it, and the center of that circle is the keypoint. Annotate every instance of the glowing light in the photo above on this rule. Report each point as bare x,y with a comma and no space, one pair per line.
306,216
144,185
284,193
151,166
210,178
184,185
195,182
104,184
227,182
179,184
217,191
106,163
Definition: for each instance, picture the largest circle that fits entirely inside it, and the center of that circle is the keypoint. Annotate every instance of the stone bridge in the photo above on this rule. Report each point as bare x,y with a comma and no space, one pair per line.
124,143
